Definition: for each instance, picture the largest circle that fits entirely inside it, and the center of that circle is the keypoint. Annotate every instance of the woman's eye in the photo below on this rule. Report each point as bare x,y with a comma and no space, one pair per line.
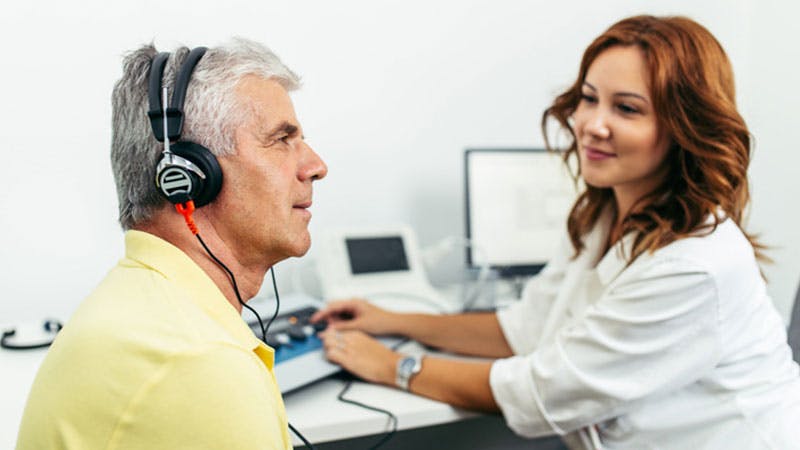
628,109
588,98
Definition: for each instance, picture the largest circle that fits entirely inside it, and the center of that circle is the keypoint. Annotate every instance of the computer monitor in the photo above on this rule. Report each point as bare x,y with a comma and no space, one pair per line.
517,202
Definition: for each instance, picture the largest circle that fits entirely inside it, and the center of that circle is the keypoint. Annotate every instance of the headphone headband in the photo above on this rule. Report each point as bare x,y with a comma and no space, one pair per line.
187,170
175,110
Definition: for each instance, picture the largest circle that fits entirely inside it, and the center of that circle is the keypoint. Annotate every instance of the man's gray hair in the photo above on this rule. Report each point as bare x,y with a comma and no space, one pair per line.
212,113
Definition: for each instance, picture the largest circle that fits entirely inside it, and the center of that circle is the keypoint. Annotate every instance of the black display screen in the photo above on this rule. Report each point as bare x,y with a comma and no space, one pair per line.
378,254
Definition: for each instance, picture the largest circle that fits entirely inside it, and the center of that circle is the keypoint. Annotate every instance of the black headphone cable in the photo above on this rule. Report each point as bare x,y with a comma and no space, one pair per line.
186,210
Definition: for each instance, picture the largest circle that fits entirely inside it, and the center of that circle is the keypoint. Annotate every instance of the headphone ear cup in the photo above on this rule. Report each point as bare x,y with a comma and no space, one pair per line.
208,188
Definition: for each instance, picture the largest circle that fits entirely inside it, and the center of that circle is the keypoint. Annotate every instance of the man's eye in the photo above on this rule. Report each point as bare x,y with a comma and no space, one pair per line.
279,139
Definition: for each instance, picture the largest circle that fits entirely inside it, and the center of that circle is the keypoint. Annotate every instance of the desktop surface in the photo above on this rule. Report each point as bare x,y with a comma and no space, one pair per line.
313,407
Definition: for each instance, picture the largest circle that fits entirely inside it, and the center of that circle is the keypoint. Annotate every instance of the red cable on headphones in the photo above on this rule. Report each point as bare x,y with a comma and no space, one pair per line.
186,210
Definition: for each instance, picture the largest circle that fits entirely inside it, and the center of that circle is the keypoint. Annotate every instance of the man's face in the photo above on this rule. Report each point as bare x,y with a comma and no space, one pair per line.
262,211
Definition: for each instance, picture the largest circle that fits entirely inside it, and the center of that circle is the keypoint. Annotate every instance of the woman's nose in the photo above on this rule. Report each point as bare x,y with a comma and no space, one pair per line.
597,125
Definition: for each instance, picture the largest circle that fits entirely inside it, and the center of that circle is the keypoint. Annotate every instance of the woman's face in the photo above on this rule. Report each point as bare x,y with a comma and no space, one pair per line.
620,145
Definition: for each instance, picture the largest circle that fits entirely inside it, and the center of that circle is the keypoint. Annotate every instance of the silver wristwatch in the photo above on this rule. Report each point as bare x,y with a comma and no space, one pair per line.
407,367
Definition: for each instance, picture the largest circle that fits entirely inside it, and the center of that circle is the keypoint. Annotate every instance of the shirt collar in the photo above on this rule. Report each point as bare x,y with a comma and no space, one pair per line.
615,260
176,266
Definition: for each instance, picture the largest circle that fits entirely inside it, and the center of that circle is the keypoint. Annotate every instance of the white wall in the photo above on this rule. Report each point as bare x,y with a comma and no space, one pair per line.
394,91
770,102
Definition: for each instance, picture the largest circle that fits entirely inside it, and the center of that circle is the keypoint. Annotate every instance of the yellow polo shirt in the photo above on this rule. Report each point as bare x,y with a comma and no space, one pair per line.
155,358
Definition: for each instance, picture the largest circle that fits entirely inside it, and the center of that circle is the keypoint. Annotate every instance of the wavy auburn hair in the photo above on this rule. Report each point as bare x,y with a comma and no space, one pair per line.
693,95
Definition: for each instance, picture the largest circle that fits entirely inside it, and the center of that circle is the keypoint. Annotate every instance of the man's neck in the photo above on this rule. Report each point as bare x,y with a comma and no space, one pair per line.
170,226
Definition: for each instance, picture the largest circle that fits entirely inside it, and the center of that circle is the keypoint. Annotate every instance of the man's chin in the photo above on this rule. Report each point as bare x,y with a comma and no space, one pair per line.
301,246
301,253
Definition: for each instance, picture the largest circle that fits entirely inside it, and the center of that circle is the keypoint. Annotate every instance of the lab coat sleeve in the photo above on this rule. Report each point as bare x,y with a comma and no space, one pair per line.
650,334
522,322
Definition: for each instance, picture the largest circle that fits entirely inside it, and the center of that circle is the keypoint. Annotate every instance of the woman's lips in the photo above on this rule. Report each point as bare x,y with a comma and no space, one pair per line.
594,154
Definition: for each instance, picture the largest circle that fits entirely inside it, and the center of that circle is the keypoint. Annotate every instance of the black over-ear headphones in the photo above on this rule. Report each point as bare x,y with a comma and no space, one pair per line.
51,326
187,170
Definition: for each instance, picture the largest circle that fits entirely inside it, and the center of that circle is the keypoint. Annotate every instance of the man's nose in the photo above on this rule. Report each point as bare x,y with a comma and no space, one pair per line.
313,167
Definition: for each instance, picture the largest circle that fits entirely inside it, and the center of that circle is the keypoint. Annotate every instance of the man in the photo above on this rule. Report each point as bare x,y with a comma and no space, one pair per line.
158,355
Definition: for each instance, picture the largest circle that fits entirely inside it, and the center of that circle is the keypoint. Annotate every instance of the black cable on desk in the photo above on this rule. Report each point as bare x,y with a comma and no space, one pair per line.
302,438
392,417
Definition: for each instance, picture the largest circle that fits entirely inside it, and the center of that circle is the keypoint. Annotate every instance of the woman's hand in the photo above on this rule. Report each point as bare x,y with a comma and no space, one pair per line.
360,355
358,314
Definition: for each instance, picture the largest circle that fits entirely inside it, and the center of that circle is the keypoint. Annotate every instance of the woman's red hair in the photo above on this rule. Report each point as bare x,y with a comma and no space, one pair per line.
693,94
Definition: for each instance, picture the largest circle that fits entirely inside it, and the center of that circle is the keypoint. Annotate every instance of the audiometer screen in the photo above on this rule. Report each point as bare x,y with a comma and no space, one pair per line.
379,254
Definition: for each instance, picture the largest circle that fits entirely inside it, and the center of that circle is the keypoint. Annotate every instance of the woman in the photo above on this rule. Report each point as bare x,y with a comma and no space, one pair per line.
651,328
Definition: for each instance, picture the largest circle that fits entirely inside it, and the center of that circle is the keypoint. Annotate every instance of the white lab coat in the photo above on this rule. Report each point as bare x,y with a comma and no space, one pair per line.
683,349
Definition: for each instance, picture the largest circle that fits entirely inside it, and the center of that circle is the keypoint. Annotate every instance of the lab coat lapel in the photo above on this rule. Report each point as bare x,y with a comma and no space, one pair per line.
572,297
615,260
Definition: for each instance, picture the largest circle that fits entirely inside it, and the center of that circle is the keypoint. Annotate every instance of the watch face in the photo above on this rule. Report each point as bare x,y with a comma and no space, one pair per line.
407,365
406,368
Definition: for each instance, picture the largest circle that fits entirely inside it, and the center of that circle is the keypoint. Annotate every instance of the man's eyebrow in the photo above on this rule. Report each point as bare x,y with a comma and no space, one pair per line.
282,128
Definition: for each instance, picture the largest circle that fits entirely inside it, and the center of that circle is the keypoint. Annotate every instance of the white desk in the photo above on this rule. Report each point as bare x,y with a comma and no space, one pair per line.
314,410
317,413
